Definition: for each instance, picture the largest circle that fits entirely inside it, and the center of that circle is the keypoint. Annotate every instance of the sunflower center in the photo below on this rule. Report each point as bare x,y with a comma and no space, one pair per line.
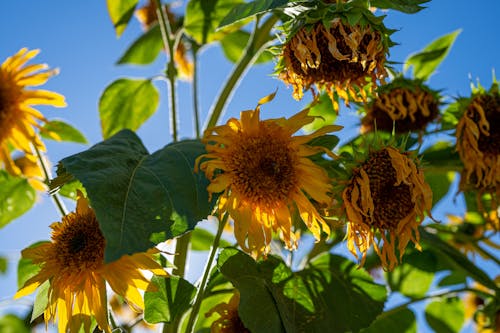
491,106
80,243
391,203
262,168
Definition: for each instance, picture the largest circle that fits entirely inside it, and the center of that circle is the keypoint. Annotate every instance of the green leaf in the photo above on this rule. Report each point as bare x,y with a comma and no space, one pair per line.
445,315
204,16
61,131
405,6
13,324
202,240
127,103
16,197
439,180
402,321
332,292
139,198
453,278
41,300
120,12
26,269
414,277
246,10
3,265
325,112
426,61
170,302
69,189
233,46
455,258
145,49
442,157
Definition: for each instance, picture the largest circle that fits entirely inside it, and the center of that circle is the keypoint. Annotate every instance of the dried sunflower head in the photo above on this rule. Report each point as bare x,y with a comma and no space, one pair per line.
405,105
384,202
339,47
478,143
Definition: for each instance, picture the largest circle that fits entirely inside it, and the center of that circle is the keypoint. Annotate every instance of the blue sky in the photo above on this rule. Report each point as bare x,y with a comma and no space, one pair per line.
78,38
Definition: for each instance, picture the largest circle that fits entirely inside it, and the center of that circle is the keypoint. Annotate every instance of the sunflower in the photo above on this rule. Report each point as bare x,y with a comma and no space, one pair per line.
384,202
478,142
18,118
73,263
229,321
148,17
405,105
342,49
264,174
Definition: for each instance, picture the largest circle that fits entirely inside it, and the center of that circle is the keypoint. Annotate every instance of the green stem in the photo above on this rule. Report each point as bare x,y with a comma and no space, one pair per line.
57,201
181,250
195,48
169,44
201,290
256,44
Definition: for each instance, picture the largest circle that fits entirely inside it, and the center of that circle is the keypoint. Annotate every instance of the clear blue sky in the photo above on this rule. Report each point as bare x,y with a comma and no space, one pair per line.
78,37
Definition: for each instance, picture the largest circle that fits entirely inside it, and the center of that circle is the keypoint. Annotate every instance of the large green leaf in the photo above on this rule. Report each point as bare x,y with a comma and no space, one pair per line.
16,197
13,324
233,46
120,12
145,49
426,61
26,269
204,16
439,181
402,321
170,302
324,111
246,10
127,103
139,198
331,292
61,131
405,6
445,315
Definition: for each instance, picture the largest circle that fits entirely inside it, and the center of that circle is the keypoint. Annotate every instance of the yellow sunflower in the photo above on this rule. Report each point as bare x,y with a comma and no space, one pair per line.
385,202
18,118
229,321
478,144
404,105
264,174
342,49
74,265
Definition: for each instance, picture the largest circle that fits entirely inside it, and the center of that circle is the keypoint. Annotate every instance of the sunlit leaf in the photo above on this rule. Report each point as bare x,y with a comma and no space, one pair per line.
246,10
120,12
69,189
41,300
61,131
16,197
405,6
445,315
3,265
127,104
13,324
426,61
204,16
323,109
171,300
332,292
234,45
202,240
26,269
402,321
145,49
139,198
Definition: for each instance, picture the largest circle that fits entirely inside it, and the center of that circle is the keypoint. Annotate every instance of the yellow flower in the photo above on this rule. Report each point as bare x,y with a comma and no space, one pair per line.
385,202
18,118
337,47
229,321
74,265
30,169
264,173
405,105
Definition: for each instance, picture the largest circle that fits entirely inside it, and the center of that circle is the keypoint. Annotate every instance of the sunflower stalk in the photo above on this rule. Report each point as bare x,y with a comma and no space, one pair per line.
256,44
194,49
201,289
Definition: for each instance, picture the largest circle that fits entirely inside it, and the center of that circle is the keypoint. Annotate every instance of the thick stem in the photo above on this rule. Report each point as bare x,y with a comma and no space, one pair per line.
181,251
55,197
201,289
256,44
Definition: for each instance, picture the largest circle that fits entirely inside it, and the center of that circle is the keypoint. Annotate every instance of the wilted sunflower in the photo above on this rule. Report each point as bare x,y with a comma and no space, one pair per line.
73,263
405,105
229,321
484,312
18,118
148,17
264,173
478,142
385,201
338,47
